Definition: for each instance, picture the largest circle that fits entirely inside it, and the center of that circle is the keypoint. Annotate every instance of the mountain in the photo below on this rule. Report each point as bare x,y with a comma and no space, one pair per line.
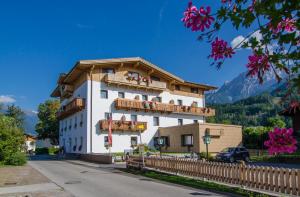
242,87
30,121
253,111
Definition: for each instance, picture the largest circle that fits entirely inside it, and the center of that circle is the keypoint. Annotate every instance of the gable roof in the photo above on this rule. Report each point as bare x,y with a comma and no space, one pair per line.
84,65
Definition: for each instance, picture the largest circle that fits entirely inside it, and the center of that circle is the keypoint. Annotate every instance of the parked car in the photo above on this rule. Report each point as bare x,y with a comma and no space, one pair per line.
233,154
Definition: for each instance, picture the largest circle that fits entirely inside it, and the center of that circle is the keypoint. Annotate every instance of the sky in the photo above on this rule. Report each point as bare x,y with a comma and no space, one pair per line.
41,39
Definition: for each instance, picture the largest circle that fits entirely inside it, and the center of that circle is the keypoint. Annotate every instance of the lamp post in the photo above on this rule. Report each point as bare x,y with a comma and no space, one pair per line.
207,140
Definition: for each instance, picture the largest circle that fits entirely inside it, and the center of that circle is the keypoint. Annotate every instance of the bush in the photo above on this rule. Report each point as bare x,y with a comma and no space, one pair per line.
203,156
53,151
42,151
16,159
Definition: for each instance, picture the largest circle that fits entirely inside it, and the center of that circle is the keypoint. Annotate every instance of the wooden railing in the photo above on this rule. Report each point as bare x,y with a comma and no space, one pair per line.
127,104
283,180
118,125
122,80
77,104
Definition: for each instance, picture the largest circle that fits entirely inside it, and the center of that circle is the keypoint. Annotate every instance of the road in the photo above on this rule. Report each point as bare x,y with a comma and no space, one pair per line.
105,180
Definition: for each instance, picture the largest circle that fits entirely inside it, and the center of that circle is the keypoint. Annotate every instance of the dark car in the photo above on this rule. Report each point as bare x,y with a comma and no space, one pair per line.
233,154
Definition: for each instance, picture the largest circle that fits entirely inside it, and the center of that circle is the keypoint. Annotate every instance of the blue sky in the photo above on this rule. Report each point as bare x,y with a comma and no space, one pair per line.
40,39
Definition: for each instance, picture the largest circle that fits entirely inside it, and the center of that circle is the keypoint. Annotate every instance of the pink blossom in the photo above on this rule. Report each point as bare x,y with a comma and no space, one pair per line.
281,141
220,49
288,25
258,65
197,19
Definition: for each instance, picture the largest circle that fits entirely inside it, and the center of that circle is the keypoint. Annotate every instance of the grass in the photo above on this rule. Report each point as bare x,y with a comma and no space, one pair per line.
199,184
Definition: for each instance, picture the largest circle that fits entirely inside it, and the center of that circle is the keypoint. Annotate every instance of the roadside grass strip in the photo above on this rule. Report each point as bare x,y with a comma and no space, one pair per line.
194,183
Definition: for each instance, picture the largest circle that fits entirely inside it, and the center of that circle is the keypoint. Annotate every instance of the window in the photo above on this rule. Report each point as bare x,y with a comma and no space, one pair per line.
107,115
145,97
108,70
180,122
153,78
81,120
179,102
104,94
81,143
195,121
133,141
177,87
70,126
158,99
105,140
155,121
194,90
75,124
121,94
187,140
134,75
75,144
133,118
162,141
70,143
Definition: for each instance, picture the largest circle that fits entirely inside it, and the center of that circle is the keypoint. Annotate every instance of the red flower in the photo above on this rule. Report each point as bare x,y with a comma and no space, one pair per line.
197,19
288,25
258,65
220,49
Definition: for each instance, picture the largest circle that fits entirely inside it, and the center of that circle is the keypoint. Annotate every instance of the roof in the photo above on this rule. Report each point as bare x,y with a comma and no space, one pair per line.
88,64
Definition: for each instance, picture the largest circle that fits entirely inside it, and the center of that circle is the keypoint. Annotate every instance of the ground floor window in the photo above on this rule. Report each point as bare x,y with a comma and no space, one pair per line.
155,121
133,141
106,141
187,140
180,122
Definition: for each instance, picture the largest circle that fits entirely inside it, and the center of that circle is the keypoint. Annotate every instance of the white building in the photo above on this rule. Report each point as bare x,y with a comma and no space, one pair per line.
124,87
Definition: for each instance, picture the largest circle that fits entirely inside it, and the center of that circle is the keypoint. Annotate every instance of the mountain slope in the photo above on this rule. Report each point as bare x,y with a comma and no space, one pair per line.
253,111
242,87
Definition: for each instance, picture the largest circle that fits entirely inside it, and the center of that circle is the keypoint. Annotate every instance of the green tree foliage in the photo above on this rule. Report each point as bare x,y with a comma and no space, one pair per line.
16,113
254,137
11,142
251,112
48,125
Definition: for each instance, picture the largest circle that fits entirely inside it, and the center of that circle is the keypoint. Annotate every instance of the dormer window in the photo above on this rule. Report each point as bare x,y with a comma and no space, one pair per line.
108,70
153,78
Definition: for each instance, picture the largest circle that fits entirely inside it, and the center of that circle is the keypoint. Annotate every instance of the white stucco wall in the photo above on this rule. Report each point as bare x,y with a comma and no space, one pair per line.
121,140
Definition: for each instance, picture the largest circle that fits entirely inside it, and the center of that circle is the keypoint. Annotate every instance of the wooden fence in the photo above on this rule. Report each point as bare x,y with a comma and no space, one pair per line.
281,180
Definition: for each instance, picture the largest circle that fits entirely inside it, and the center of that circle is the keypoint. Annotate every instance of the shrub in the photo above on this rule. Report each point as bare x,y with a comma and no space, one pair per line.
16,159
53,151
203,156
42,151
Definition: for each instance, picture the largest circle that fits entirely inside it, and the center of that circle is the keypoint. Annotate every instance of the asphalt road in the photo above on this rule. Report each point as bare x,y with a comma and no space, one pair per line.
85,181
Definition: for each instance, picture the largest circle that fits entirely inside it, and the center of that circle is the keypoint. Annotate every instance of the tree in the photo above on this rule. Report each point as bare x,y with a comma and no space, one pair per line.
11,142
281,141
275,122
273,36
16,113
48,125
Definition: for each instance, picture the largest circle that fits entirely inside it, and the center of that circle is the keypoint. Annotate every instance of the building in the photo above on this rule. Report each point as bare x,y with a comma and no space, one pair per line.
30,143
138,95
189,138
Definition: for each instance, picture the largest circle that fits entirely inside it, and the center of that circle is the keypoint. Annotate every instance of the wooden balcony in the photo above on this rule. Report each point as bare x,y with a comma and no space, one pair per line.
122,80
76,105
127,104
118,125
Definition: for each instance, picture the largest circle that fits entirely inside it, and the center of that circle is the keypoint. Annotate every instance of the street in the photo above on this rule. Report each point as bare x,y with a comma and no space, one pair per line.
105,180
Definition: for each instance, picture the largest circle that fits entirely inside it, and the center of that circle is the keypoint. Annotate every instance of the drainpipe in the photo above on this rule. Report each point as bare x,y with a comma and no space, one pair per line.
91,109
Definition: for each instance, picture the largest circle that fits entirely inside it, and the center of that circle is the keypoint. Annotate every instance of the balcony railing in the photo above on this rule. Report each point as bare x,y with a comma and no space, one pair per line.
118,125
76,105
122,80
127,104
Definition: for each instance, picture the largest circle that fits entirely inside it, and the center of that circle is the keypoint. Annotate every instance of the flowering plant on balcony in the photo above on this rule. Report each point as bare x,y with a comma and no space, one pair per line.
123,119
281,141
194,104
146,104
152,104
171,102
